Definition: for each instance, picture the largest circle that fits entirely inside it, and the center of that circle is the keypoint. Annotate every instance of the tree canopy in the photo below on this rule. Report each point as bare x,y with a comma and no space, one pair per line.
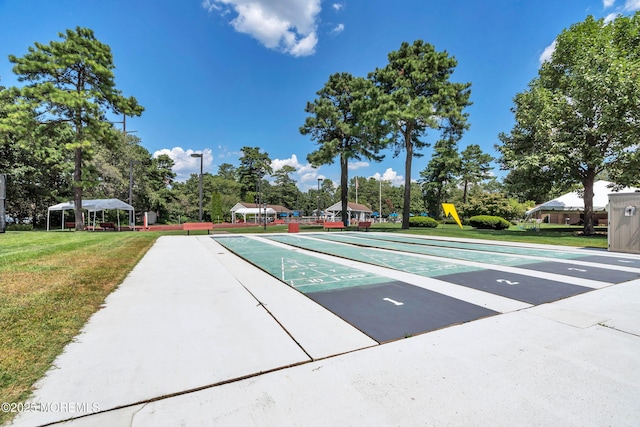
580,116
418,95
71,83
254,166
340,125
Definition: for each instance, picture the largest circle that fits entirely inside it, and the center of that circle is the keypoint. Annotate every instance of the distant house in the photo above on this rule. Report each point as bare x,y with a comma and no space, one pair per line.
254,211
356,212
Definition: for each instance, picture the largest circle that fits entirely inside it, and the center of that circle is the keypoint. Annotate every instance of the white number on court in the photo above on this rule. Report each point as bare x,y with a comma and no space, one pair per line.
508,282
315,280
577,269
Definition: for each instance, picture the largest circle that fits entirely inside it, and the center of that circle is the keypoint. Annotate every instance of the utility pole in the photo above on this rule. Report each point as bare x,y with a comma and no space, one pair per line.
199,155
380,205
132,220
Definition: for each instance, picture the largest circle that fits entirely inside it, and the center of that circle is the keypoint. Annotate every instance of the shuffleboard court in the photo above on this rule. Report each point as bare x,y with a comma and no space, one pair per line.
380,307
395,260
564,253
532,290
521,261
302,272
389,311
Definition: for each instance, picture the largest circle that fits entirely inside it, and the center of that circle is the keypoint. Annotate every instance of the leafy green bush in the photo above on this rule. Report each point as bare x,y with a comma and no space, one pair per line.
489,222
19,227
422,221
494,204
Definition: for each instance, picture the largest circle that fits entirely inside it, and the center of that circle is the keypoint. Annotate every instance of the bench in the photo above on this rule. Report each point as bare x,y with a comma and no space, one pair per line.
108,226
197,226
365,225
330,225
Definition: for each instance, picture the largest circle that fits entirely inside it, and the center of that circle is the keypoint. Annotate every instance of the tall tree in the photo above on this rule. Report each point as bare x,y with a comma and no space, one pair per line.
440,173
419,96
217,208
72,81
33,157
474,167
536,185
227,171
340,125
580,116
286,192
254,166
158,178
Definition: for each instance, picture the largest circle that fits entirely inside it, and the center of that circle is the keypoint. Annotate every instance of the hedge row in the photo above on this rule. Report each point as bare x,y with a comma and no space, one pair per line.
423,221
489,222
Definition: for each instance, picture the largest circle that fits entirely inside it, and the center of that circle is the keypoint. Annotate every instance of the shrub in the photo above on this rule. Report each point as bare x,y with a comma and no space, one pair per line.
422,221
19,227
489,222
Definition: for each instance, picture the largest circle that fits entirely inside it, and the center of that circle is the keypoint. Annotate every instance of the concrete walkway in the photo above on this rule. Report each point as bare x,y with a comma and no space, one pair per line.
196,336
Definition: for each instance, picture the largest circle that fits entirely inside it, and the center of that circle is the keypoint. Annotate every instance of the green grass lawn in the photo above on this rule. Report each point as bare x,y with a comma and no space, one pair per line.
51,283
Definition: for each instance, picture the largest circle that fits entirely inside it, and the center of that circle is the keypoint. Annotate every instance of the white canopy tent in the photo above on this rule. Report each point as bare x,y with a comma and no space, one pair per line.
92,206
574,201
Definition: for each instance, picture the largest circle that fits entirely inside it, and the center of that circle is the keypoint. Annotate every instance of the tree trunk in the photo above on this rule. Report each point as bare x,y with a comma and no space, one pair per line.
464,194
407,180
77,189
344,188
588,204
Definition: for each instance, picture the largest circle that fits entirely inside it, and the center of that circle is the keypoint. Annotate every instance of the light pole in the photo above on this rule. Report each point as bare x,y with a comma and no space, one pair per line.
318,211
380,205
199,184
265,215
132,220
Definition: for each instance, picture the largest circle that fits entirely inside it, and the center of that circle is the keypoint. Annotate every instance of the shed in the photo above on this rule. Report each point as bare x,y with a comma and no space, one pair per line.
624,222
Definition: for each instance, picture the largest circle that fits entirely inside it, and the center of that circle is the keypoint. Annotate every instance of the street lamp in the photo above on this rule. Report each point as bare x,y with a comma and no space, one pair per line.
132,219
318,210
265,215
199,182
380,206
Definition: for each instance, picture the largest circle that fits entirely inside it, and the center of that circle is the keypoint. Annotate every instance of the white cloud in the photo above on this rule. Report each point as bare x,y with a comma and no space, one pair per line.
277,164
357,165
305,173
184,164
337,6
608,3
337,29
610,17
391,176
285,25
632,5
548,51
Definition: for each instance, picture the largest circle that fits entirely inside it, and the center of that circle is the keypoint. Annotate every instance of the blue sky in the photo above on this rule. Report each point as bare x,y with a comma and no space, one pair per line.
217,75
